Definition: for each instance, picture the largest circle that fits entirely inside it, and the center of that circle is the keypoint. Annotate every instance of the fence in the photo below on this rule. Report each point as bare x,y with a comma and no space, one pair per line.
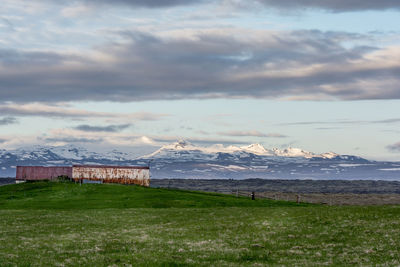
280,196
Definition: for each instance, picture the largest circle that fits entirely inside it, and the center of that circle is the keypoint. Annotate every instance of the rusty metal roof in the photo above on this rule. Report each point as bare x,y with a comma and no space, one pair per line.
88,166
41,166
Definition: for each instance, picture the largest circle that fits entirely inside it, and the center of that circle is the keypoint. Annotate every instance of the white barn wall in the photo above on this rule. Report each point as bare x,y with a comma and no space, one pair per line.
112,174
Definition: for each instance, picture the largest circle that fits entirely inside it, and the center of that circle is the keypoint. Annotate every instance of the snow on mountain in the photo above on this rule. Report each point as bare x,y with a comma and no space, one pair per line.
256,149
186,150
52,152
67,152
71,152
329,155
294,152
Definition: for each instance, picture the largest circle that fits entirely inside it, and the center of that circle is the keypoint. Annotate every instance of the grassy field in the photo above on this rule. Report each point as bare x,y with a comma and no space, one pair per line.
64,224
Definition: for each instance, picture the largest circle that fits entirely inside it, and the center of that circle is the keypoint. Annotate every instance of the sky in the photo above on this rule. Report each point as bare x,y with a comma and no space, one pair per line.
133,75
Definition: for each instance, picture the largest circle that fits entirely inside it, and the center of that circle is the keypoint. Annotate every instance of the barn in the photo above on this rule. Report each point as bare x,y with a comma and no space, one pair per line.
87,174
112,174
36,173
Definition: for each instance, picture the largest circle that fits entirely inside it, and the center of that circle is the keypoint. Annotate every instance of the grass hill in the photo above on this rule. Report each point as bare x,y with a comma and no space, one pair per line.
62,196
66,224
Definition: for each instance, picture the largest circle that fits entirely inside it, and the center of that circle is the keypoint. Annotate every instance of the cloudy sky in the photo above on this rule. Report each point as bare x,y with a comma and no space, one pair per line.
322,75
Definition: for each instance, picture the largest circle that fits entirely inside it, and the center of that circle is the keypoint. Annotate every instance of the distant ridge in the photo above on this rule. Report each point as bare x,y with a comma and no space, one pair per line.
257,149
183,159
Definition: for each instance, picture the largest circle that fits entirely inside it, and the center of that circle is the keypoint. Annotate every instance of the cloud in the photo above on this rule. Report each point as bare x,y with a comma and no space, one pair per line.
76,11
134,3
149,3
108,128
103,138
333,5
90,135
330,5
252,133
13,141
328,128
57,111
98,138
394,148
388,121
322,122
6,23
342,122
2,140
71,140
201,64
8,120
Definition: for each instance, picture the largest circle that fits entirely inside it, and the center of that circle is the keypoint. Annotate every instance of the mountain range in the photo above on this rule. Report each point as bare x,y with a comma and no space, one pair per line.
185,160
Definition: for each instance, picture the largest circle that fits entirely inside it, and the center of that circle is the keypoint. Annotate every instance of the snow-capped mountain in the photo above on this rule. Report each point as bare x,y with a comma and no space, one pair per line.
256,149
185,160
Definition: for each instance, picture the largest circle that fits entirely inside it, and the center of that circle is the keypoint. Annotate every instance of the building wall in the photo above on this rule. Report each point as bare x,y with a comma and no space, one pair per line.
112,174
34,173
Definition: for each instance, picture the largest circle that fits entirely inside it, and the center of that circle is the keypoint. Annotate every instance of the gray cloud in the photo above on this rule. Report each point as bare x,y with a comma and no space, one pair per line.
328,128
319,123
2,141
395,120
58,111
394,148
73,140
310,65
7,23
108,128
15,58
333,5
8,120
146,3
342,122
252,133
134,3
330,5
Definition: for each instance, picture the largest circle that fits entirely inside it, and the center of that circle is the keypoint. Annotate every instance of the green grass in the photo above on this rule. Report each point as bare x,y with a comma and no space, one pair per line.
61,196
63,224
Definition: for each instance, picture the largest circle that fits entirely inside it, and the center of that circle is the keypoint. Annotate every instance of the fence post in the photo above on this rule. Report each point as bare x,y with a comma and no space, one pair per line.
298,198
253,197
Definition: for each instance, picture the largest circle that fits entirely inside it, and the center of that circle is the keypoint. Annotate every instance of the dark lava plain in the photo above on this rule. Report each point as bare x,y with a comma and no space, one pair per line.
331,192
